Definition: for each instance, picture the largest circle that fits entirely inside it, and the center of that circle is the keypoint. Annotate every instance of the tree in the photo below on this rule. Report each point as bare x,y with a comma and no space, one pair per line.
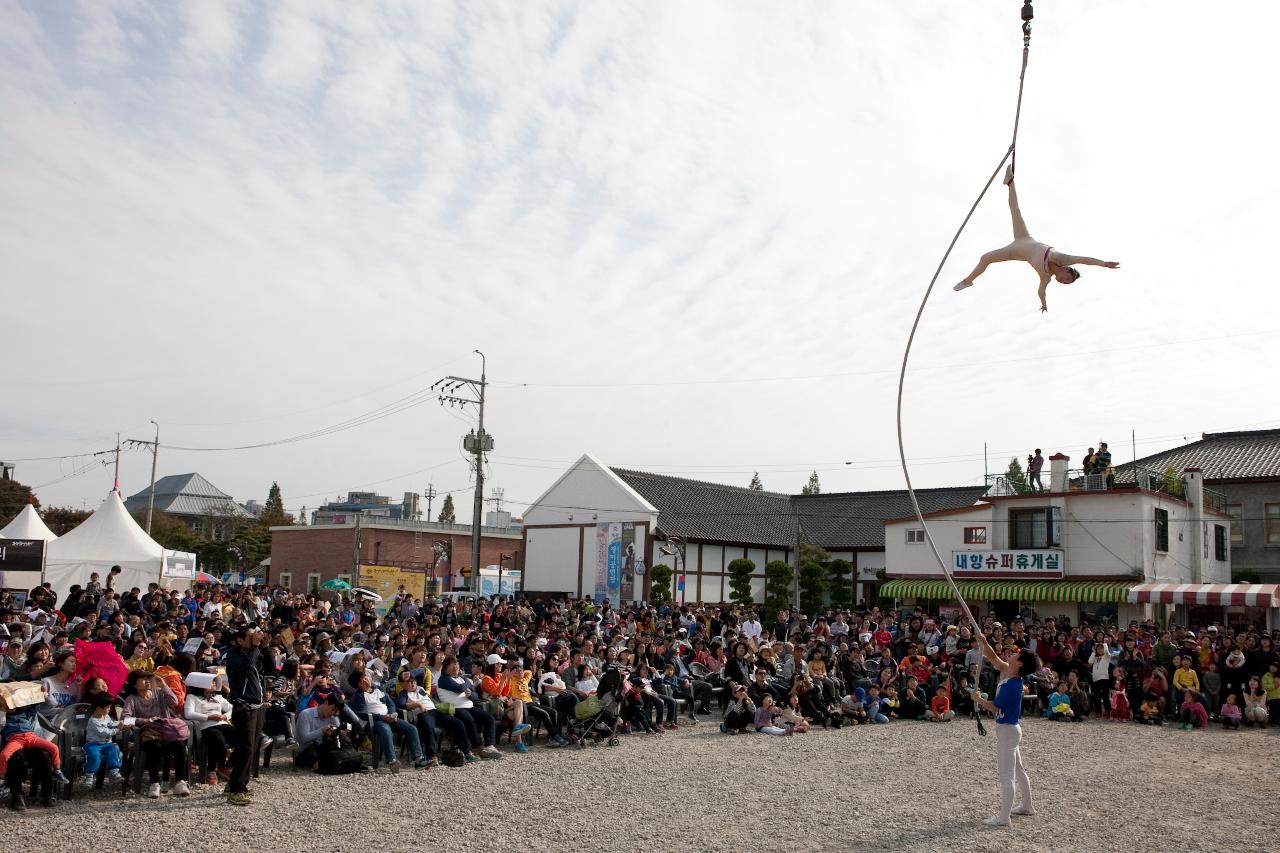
812,586
814,553
13,497
838,586
660,584
777,587
1015,478
170,532
447,515
755,482
740,572
273,514
812,487
63,519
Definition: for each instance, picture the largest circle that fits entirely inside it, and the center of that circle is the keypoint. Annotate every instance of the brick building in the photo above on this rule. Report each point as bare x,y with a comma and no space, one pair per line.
305,557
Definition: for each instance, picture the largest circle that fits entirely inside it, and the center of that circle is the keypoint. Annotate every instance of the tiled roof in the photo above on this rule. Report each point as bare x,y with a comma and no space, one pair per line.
856,519
188,494
719,513
1220,455
715,512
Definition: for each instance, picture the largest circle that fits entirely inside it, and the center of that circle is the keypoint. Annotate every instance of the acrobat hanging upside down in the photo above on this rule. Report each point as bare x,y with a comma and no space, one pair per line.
1044,259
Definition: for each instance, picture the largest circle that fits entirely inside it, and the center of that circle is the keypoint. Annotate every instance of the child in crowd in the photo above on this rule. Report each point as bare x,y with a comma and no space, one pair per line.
912,705
1212,683
1120,709
1149,711
1255,704
634,712
890,705
20,733
1230,713
964,702
875,706
940,707
765,716
793,717
1191,712
852,710
1060,704
100,746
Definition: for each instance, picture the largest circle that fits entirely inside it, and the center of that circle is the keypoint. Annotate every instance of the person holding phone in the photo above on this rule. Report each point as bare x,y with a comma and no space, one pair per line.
248,660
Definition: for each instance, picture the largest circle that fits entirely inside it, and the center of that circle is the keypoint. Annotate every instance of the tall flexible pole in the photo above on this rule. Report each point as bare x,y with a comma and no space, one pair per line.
915,325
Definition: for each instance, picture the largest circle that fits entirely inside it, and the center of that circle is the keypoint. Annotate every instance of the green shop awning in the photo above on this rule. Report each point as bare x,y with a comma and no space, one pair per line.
1102,592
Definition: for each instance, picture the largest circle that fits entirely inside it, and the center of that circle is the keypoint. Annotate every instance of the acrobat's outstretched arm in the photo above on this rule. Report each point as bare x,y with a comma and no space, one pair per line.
1071,260
1044,286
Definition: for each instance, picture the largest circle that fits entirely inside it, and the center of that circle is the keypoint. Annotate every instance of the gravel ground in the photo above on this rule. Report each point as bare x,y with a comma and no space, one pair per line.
903,786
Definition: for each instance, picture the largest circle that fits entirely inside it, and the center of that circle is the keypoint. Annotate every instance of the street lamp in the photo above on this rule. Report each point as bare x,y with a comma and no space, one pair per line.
675,548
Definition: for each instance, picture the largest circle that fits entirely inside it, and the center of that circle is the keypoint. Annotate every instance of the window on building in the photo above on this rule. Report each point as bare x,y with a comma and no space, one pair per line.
286,580
1162,530
1272,514
346,578
219,533
975,536
313,582
1029,528
915,535
1219,543
197,528
1236,512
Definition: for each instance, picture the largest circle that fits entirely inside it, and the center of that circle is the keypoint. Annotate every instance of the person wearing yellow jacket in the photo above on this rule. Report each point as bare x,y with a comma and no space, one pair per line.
1185,678
1271,686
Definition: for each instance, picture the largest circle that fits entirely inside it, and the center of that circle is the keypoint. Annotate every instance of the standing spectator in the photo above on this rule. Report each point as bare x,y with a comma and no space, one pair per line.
1034,465
247,661
751,627
1104,464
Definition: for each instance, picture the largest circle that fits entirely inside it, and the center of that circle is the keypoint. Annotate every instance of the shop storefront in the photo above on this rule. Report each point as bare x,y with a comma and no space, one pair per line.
1207,603
1007,599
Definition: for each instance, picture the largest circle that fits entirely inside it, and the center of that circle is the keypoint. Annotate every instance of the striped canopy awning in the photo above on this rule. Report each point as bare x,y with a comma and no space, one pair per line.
1218,594
1102,592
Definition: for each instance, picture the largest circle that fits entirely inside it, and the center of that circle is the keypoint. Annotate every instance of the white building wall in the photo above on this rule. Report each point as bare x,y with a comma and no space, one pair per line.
589,492
551,559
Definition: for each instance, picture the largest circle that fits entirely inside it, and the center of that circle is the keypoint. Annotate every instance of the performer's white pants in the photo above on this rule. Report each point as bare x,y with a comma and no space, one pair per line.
1008,739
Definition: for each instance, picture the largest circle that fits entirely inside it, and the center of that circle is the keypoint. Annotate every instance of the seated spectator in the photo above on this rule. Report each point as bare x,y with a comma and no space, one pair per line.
34,764
162,733
410,697
210,713
100,747
635,713
766,718
912,705
19,734
1191,712
890,705
457,693
1150,712
940,707
1230,713
313,726
660,705
140,658
371,701
740,713
61,689
875,705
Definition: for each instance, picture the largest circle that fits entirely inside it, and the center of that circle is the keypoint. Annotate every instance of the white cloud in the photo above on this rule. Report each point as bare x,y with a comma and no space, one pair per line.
631,195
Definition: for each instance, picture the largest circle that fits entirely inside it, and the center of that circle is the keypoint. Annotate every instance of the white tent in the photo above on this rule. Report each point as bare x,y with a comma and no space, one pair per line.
27,525
109,537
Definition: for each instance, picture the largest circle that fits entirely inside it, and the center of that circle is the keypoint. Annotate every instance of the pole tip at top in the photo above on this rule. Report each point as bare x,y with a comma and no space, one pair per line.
1027,11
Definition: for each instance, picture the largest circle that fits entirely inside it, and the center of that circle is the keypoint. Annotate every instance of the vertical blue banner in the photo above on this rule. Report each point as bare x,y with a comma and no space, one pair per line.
615,563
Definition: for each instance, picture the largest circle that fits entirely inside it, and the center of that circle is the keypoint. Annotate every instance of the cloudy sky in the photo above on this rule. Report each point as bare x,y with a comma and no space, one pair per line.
688,237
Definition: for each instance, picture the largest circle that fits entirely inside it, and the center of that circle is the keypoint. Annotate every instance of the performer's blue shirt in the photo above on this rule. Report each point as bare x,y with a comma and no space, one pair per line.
1008,701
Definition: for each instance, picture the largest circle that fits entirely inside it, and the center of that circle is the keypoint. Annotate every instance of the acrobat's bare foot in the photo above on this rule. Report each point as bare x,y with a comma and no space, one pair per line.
1008,174
962,285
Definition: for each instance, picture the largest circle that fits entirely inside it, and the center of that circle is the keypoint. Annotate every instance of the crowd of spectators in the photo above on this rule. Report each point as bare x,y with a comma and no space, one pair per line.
213,679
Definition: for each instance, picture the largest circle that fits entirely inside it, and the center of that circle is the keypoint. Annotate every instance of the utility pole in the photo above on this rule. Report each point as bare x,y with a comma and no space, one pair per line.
115,479
478,442
430,494
155,453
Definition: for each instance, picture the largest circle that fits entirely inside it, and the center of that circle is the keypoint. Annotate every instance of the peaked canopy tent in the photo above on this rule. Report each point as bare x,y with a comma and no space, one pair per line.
26,527
110,537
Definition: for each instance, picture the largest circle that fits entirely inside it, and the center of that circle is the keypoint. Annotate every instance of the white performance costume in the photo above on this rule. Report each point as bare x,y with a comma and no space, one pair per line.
1047,261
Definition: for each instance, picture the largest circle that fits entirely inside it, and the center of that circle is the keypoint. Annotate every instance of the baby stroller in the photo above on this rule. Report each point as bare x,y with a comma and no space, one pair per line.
596,717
